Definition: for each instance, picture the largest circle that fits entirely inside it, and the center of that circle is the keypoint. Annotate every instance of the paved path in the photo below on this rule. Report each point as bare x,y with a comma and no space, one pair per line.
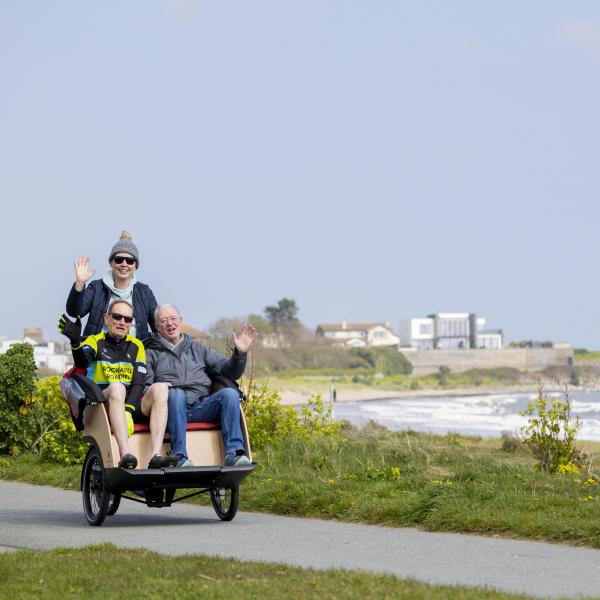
43,518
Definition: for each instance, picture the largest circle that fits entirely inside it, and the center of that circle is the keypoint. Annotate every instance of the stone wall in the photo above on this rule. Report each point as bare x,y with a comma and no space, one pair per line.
425,362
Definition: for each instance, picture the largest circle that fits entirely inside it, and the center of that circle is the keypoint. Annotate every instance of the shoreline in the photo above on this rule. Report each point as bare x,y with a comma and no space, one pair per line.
365,394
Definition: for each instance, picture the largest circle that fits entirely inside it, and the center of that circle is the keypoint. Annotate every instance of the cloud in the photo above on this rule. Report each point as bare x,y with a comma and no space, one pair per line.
581,32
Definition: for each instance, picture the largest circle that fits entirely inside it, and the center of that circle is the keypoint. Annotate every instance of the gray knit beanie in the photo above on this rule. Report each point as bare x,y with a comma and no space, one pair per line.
125,244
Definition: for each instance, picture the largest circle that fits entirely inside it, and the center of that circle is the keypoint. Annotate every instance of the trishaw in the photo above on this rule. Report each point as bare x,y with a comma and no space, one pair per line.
104,484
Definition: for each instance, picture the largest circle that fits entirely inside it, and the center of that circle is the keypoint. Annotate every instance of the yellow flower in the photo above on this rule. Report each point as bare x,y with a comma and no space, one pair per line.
331,481
568,468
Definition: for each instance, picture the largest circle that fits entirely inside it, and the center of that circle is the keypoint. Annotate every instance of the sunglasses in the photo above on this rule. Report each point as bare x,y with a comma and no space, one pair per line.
119,259
118,317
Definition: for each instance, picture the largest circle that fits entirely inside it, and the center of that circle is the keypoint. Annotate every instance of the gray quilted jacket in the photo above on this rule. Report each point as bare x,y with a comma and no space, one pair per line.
189,366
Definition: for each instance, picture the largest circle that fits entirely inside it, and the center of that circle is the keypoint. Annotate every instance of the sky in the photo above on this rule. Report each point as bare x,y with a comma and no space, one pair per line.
374,161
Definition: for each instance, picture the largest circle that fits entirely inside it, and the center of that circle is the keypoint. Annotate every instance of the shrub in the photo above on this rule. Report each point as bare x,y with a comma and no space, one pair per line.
550,434
386,360
575,379
18,430
59,441
317,422
443,375
270,423
33,415
511,442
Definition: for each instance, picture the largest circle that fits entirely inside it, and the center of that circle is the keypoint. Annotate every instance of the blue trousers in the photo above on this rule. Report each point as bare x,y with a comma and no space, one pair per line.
222,406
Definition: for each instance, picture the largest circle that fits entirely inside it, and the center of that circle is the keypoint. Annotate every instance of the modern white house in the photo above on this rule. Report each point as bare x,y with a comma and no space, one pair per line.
448,331
358,335
49,355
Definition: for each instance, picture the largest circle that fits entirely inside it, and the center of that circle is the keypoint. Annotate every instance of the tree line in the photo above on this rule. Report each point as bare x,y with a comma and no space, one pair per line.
285,343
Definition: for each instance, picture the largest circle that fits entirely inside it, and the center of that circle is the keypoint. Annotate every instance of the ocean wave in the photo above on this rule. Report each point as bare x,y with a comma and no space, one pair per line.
481,415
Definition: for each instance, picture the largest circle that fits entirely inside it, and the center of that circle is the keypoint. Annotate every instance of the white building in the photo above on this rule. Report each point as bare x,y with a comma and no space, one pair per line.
49,355
359,335
448,331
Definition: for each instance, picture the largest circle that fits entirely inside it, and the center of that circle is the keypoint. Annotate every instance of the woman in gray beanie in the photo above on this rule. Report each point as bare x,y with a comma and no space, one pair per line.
118,283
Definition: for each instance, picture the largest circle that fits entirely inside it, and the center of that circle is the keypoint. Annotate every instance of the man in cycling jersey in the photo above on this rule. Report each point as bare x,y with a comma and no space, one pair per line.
116,361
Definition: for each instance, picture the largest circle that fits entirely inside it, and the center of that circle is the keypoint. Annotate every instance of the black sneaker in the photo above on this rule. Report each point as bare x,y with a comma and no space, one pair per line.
129,461
162,462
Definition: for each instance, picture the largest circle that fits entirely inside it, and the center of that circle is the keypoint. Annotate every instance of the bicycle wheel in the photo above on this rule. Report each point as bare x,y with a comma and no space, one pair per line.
225,501
95,493
113,504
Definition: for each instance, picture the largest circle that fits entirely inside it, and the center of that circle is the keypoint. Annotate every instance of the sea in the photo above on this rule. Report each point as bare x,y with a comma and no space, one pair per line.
485,415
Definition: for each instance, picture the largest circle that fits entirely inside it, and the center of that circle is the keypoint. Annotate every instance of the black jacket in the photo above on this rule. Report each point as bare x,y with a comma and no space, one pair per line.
94,300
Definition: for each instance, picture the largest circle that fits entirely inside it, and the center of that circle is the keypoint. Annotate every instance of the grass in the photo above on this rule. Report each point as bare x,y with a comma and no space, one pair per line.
586,355
84,572
321,380
439,483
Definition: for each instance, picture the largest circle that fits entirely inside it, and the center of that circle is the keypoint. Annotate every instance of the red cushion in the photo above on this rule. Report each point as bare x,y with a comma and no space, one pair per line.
74,370
140,427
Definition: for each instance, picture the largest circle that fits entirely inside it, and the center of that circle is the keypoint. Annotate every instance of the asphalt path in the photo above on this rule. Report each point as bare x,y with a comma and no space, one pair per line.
42,518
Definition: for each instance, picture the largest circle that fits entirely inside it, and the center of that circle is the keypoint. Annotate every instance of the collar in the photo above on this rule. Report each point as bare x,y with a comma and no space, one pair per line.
113,340
167,344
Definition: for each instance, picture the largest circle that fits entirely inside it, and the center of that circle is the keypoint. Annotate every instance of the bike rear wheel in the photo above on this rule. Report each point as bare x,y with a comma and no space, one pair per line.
225,501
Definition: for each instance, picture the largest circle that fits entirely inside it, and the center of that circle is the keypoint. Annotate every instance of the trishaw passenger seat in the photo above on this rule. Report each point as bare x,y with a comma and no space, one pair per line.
141,427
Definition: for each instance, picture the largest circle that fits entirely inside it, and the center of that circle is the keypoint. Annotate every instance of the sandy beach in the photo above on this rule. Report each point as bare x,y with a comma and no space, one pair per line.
364,394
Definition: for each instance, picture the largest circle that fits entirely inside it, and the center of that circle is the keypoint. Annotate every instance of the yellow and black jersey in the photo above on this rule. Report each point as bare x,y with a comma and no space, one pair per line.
109,360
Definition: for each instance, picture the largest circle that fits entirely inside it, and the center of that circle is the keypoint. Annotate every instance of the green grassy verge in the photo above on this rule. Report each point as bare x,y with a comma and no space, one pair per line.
360,378
108,572
441,483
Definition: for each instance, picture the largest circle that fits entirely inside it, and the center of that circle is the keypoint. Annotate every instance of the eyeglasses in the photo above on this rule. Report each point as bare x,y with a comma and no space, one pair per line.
168,320
119,259
118,317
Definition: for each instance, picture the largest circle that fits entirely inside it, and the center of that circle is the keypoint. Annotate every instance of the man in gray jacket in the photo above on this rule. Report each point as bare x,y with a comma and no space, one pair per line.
182,369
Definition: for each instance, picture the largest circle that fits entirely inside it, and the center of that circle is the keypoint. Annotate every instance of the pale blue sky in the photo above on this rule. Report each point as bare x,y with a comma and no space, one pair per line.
372,160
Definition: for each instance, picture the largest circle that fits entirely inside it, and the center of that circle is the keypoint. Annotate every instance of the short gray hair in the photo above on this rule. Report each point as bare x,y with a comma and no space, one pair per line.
118,301
161,307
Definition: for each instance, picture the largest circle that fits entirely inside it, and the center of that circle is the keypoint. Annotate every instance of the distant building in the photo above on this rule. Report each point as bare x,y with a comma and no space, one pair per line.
359,335
52,356
35,334
448,331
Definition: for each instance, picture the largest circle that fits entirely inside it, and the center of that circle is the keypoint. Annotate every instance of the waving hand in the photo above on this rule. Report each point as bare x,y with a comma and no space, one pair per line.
244,340
82,272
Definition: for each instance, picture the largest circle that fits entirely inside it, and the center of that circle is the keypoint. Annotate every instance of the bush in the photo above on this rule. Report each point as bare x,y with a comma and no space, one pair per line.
270,423
59,441
386,360
574,378
18,430
443,375
550,434
510,442
33,415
